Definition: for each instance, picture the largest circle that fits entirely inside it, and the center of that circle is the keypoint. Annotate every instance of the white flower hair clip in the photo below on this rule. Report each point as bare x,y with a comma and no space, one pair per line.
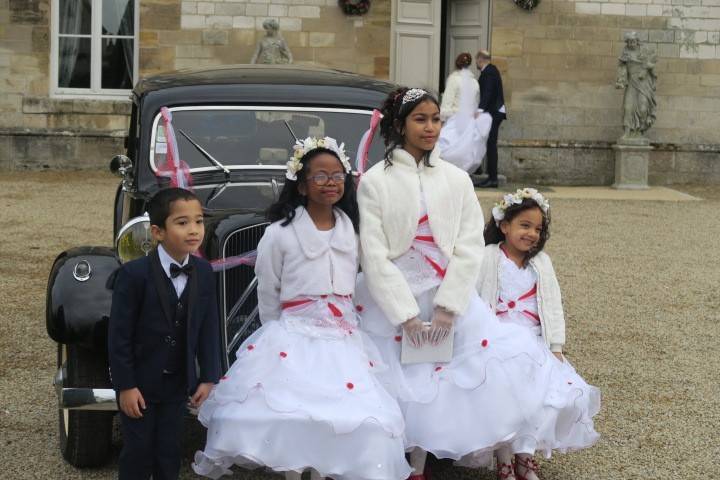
510,199
412,95
302,147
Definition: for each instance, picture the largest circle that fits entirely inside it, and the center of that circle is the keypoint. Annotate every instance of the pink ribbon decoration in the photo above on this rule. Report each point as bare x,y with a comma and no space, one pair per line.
366,141
222,264
173,168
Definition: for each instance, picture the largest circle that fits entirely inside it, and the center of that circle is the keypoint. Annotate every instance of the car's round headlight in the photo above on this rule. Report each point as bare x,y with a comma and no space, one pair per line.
134,239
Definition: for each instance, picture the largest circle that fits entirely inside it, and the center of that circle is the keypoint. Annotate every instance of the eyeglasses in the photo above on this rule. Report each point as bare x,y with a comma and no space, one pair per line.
322,179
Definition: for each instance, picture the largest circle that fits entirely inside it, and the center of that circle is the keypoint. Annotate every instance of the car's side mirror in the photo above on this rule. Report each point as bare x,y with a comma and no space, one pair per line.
121,166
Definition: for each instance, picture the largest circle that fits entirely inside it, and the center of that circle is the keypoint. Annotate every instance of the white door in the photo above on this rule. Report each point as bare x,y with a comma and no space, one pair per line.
415,46
467,30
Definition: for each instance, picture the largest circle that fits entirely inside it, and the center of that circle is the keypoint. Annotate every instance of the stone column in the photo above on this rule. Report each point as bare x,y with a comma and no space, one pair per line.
631,166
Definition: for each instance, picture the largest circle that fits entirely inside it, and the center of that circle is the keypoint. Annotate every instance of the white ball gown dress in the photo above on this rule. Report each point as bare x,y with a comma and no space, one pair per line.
303,393
494,392
564,422
463,138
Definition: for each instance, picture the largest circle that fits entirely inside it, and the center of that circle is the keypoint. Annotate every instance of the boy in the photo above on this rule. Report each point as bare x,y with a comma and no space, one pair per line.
163,318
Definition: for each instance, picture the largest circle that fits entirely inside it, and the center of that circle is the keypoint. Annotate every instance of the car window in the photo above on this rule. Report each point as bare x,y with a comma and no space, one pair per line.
238,137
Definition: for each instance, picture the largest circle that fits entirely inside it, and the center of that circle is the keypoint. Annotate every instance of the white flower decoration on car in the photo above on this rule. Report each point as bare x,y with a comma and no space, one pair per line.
303,147
509,199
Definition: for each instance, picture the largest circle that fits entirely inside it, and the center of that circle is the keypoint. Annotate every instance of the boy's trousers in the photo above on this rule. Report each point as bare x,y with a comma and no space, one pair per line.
152,445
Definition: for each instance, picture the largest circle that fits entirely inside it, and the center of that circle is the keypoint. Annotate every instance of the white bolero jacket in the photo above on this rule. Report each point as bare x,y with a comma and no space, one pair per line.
389,200
550,309
451,96
295,261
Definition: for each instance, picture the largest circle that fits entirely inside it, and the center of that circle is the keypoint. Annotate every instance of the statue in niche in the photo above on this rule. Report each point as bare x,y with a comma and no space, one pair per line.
636,74
272,48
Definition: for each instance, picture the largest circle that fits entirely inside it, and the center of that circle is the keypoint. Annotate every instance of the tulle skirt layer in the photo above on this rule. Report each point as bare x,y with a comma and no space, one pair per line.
304,393
503,386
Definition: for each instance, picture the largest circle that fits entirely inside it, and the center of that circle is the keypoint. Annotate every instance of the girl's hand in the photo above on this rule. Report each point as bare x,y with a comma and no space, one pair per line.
132,402
442,322
201,394
559,356
413,328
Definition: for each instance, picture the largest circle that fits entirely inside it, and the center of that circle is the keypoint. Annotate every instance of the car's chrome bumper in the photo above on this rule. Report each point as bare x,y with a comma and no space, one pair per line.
89,398
84,398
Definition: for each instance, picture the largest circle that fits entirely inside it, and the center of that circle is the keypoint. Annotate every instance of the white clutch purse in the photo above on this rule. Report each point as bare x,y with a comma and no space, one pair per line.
426,352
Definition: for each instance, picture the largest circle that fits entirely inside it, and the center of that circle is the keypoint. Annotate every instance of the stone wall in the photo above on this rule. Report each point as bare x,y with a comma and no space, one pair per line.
215,32
37,131
593,163
560,69
558,62
559,65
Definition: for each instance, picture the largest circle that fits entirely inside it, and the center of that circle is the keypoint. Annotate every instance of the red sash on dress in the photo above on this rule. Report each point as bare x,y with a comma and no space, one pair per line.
509,305
429,239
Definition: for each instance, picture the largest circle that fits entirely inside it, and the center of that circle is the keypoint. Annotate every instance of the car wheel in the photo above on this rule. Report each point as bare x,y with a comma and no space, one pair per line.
85,436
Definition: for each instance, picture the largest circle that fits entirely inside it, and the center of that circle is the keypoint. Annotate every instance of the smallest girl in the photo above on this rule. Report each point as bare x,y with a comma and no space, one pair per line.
517,279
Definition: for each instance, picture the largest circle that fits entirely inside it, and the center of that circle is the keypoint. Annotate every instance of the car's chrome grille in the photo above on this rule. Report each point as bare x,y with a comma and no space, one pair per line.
239,287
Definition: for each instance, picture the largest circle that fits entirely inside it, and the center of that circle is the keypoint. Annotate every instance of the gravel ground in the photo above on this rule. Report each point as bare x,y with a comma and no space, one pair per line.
641,290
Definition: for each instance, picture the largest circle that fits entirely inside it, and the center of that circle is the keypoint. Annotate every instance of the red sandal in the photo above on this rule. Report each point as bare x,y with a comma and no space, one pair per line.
419,476
505,471
528,464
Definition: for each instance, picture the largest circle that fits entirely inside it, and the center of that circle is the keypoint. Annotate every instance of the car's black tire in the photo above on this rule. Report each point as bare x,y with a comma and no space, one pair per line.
85,436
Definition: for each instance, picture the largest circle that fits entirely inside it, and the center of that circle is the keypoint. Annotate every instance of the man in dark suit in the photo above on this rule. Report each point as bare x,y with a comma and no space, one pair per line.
492,101
163,318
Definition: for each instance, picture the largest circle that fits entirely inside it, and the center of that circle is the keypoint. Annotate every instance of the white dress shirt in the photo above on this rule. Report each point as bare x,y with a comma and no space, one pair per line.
166,260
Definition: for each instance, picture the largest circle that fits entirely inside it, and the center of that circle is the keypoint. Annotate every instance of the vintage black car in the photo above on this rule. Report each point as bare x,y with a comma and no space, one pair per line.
231,126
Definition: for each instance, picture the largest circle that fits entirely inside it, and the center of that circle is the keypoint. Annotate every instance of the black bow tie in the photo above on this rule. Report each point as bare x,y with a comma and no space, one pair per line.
176,270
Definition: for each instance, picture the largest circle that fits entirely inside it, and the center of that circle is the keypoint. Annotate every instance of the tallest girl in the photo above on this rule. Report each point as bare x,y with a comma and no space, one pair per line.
421,240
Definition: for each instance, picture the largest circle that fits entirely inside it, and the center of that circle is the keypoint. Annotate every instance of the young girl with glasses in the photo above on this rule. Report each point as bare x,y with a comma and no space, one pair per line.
303,393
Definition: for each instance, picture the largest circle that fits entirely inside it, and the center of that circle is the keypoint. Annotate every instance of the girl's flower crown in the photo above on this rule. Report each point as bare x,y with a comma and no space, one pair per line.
302,147
509,199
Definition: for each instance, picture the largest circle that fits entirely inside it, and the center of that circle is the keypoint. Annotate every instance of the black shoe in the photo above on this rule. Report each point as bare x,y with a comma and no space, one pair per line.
488,183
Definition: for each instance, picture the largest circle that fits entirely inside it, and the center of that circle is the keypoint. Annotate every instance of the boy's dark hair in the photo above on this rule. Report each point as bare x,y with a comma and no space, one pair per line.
159,205
290,198
493,234
394,115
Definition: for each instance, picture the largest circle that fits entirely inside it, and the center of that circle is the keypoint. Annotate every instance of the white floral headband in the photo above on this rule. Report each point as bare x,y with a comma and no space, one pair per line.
510,199
302,147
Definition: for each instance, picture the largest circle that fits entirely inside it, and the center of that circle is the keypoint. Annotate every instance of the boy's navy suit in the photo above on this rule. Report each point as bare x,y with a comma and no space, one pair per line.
154,340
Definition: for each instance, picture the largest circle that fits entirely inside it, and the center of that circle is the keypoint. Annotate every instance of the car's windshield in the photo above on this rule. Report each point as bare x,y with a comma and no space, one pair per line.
239,137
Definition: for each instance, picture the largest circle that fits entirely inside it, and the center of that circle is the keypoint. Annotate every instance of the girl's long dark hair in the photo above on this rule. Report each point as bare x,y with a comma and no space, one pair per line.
493,234
394,115
290,198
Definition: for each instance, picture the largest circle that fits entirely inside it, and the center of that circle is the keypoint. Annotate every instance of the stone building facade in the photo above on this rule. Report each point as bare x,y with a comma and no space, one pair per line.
558,63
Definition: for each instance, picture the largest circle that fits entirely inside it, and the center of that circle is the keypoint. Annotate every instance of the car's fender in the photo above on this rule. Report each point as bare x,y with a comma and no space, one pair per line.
78,308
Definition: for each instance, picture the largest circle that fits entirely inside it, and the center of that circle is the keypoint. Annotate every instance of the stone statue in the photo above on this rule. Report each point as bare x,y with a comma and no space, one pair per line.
272,48
636,74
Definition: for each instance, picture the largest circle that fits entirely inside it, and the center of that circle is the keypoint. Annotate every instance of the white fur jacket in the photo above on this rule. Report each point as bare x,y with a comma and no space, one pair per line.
452,94
549,301
294,261
389,200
